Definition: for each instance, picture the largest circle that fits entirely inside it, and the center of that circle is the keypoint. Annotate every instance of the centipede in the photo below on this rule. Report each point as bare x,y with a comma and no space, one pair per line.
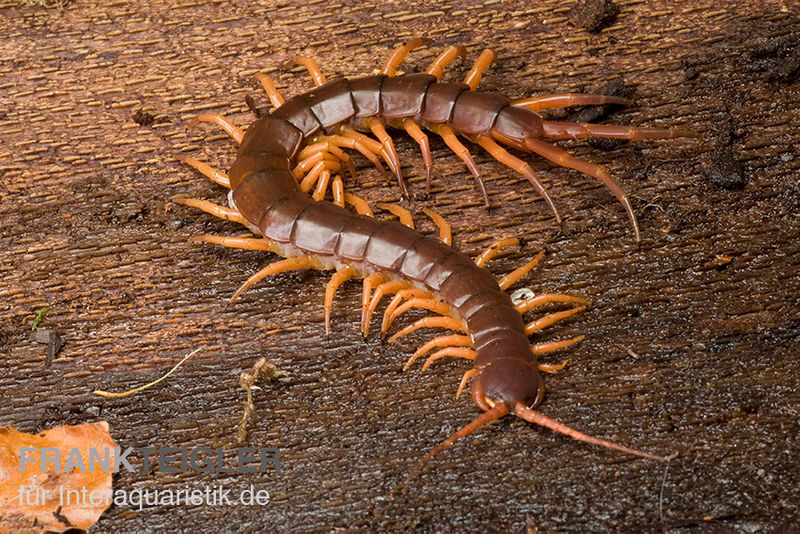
292,157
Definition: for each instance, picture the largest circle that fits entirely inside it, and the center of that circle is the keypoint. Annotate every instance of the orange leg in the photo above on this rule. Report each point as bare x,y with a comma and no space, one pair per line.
305,165
281,266
551,368
370,281
514,276
464,379
441,341
322,185
552,346
400,53
430,304
406,219
493,249
341,276
216,176
314,174
361,205
473,77
373,146
548,298
387,288
335,151
575,130
565,100
223,122
457,352
349,142
338,191
413,129
311,66
565,159
450,54
551,319
445,232
216,210
398,299
269,87
433,321
504,157
388,146
245,243
462,152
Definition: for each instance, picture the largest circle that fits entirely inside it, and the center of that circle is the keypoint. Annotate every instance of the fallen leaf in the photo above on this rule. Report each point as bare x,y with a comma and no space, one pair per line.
52,481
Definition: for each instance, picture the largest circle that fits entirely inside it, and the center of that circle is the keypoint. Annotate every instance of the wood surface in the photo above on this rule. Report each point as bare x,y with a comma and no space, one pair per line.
691,339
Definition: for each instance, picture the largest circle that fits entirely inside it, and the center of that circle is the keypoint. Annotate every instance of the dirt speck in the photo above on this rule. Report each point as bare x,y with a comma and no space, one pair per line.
778,58
593,15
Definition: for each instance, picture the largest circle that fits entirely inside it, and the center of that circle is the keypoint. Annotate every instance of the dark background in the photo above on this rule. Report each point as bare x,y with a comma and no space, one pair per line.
691,341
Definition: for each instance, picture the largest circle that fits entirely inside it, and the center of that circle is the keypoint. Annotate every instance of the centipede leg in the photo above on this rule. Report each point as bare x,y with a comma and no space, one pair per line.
462,152
413,129
437,342
445,232
378,129
455,352
287,264
430,304
400,53
322,185
275,97
340,276
448,55
215,175
338,191
216,210
504,157
582,130
552,346
311,66
387,288
551,319
398,299
564,100
552,368
484,61
432,321
565,159
223,122
464,379
406,219
514,276
548,298
361,206
495,248
244,243
349,142
370,144
370,281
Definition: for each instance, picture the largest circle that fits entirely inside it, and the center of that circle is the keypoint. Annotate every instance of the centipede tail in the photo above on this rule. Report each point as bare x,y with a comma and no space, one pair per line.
297,150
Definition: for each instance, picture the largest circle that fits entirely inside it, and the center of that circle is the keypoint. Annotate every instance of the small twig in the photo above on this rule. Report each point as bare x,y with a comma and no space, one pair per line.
151,384
261,369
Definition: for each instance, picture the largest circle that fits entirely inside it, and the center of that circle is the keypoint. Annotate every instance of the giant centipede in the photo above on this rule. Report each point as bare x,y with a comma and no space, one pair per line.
296,149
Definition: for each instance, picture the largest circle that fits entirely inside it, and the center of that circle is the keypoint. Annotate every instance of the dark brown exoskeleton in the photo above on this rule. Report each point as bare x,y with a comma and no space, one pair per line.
297,148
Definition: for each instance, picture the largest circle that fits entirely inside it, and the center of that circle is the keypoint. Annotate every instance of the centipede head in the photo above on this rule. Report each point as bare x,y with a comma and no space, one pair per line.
514,386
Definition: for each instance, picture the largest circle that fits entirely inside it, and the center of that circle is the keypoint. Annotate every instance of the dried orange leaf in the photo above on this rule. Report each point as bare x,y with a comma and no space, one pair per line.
56,480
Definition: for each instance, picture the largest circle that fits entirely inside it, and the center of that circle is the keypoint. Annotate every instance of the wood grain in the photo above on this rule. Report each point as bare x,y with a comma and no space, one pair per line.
685,351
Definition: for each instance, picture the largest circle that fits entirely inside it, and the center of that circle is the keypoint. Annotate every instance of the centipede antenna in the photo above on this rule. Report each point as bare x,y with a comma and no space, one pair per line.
486,418
537,418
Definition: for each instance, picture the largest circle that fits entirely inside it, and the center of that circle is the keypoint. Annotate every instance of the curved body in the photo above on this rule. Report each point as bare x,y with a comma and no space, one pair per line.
283,154
266,193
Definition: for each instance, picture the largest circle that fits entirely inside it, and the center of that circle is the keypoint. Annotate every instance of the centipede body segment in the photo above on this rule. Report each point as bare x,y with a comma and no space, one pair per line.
298,149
